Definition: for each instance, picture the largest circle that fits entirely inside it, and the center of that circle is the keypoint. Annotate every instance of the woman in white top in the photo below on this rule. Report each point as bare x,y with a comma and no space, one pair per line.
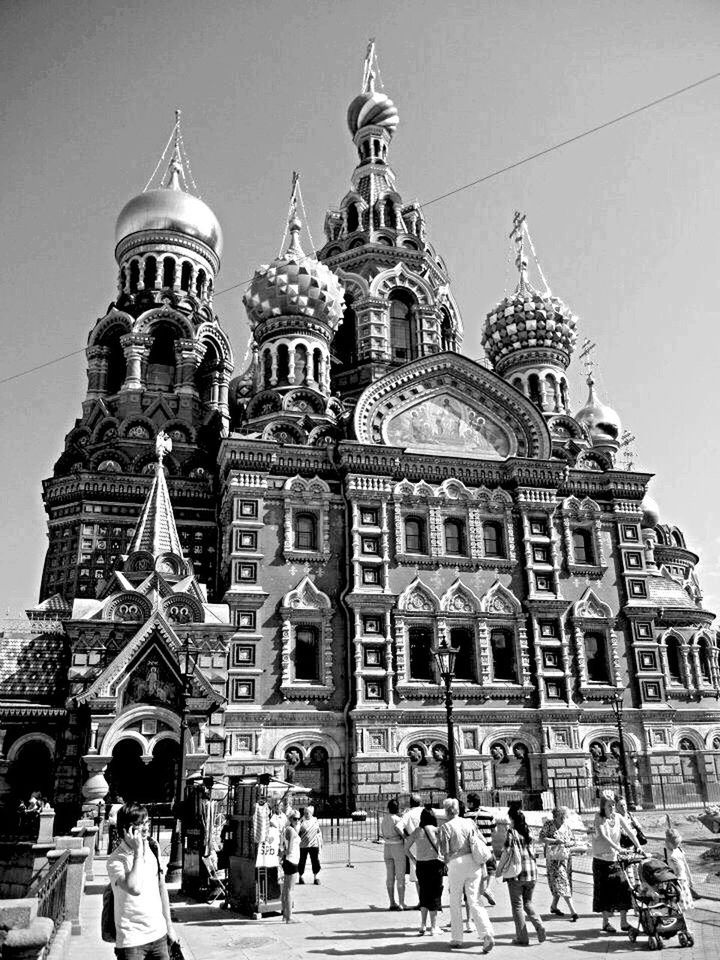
610,888
393,837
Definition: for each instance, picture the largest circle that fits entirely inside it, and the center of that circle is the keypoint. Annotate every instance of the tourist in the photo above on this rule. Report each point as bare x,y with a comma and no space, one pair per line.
465,852
142,911
518,849
611,891
430,870
394,854
559,841
112,813
676,860
410,821
290,861
310,843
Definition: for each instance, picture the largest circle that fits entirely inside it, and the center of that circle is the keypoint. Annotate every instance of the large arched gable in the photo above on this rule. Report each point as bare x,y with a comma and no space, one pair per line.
449,405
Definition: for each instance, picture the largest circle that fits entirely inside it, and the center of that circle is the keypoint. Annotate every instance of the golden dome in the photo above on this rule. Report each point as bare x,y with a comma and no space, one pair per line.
169,208
650,511
601,421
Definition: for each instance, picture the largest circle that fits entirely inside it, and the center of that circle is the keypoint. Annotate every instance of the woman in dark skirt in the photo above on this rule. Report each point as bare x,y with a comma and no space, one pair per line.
610,888
430,870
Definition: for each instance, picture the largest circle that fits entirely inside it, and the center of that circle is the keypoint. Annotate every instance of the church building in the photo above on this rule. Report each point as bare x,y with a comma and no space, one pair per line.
275,552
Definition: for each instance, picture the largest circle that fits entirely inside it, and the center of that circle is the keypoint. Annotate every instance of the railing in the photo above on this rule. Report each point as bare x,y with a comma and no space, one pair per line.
50,890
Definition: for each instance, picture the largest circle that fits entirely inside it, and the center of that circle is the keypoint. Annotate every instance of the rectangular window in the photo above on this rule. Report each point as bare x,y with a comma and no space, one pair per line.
420,641
630,532
596,658
414,535
374,690
455,537
243,689
216,748
244,655
652,690
551,659
248,509
372,625
373,656
633,559
548,628
582,546
243,743
368,516
246,539
307,653
643,630
637,588
370,545
463,639
541,554
554,691
543,584
245,572
245,619
371,575
493,541
306,527
538,527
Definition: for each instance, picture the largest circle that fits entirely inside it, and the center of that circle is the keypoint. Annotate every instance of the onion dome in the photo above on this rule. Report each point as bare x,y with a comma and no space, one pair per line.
372,109
529,320
602,422
295,285
650,512
170,208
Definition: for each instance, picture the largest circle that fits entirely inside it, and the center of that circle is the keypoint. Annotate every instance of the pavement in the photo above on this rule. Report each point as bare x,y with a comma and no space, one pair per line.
347,916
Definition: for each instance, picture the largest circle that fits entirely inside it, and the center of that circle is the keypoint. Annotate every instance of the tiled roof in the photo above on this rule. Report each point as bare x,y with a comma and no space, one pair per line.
33,666
156,531
666,592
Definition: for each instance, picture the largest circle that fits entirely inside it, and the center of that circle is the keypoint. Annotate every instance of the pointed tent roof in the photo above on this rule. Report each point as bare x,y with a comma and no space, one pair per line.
156,531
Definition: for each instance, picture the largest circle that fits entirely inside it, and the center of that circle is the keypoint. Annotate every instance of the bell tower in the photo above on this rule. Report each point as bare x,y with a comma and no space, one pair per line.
398,304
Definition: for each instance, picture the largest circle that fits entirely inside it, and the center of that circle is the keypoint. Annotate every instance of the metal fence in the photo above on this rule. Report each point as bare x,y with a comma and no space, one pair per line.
662,792
50,890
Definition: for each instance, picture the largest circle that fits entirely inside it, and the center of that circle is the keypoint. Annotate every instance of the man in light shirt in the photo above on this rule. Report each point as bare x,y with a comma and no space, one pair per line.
142,910
409,822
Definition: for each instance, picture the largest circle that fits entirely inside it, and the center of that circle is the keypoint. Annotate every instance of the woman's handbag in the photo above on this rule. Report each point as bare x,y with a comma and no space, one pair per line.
558,853
510,862
432,844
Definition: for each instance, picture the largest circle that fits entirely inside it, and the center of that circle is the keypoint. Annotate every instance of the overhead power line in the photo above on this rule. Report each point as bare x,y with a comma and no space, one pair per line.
465,186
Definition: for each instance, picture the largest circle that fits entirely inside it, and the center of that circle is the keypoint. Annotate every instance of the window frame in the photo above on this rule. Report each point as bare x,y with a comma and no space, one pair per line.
421,549
461,536
498,527
300,516
315,630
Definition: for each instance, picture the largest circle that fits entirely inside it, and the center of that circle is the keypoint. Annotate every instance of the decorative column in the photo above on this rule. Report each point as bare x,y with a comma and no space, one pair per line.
185,362
373,328
135,347
97,371
96,786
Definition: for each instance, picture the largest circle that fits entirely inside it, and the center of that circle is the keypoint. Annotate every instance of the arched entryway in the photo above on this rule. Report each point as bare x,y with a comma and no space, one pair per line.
31,770
133,777
692,784
307,770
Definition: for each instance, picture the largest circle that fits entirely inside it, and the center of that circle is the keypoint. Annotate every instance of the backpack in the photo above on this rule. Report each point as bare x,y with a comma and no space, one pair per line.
107,917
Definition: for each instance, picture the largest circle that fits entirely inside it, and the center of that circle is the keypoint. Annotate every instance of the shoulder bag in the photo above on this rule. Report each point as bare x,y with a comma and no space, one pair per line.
434,846
510,862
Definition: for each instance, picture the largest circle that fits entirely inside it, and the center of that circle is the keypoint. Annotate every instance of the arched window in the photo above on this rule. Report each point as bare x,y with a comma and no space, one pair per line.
463,639
564,394
186,275
301,364
283,364
206,376
518,384
116,363
493,540
344,344
353,221
168,272
267,369
402,327
455,537
200,283
316,360
209,289
550,394
447,339
582,546
596,658
704,655
134,275
390,214
305,531
161,359
503,655
677,539
421,657
534,388
123,279
307,653
150,278
415,535
672,654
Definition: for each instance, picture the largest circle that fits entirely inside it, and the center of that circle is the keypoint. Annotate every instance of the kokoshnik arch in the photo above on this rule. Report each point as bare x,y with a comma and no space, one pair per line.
318,523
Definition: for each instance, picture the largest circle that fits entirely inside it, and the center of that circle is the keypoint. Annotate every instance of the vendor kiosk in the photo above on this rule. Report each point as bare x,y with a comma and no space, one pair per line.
252,839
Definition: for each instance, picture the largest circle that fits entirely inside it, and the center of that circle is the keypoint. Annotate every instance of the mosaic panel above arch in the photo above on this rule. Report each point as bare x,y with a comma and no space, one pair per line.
451,406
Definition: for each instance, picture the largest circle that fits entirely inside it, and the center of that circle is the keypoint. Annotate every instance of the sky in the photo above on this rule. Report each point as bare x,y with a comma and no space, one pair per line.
624,221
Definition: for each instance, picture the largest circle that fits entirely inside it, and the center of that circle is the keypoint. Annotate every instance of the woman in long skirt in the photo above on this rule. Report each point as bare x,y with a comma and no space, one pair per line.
430,869
610,888
559,842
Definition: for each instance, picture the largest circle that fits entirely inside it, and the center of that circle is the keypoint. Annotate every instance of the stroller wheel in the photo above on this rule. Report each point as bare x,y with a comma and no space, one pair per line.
682,940
660,942
652,943
689,939
632,934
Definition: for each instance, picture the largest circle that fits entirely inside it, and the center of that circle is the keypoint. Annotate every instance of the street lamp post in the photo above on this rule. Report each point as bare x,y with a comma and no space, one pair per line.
445,660
616,703
186,659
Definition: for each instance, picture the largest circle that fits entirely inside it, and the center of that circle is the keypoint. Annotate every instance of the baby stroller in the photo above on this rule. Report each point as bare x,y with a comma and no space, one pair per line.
656,898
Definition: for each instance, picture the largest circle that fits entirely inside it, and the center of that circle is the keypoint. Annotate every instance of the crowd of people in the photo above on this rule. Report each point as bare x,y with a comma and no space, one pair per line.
419,851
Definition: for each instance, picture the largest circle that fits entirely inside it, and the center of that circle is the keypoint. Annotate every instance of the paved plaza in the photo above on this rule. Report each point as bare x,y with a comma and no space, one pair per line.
346,916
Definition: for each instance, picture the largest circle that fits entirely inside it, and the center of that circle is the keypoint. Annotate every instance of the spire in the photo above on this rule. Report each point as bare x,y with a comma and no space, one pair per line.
178,175
175,166
520,235
294,224
370,67
156,532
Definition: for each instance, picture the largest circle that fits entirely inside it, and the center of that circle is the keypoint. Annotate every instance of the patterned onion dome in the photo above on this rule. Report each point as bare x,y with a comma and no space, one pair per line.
171,209
372,109
600,420
295,285
529,320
